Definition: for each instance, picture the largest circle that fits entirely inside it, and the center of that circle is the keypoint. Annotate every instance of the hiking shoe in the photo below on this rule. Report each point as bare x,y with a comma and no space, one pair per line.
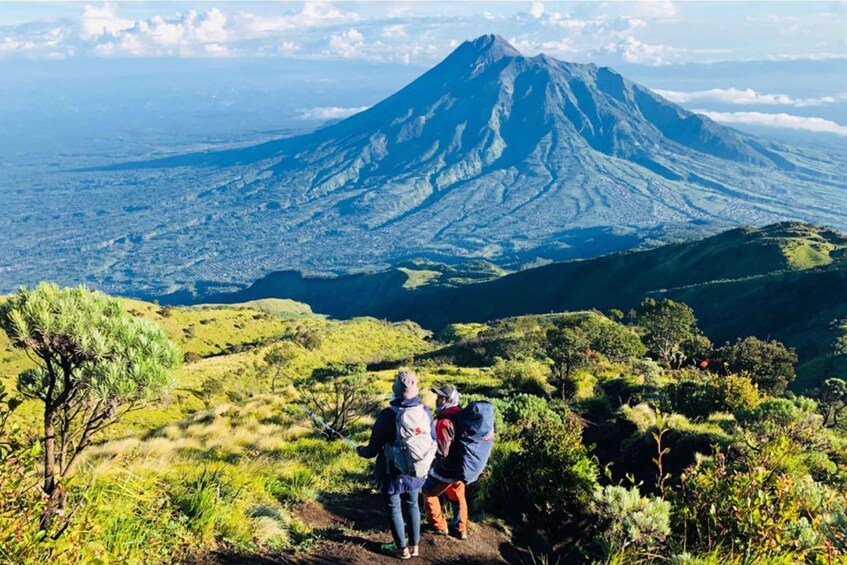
441,532
416,552
394,551
463,534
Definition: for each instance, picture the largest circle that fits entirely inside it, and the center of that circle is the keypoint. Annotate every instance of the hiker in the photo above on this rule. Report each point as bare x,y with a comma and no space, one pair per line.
465,438
403,441
446,407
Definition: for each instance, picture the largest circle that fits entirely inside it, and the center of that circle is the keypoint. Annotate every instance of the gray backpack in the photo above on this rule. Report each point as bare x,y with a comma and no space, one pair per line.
413,448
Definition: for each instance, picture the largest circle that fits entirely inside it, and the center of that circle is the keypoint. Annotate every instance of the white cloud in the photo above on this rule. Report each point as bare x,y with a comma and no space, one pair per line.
650,9
632,50
789,121
188,33
99,20
347,43
661,9
412,32
742,96
216,49
100,31
313,14
394,31
330,112
822,56
537,9
559,47
585,38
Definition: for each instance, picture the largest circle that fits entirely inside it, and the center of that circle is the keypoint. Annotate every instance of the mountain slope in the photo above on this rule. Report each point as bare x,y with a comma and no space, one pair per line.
784,281
490,154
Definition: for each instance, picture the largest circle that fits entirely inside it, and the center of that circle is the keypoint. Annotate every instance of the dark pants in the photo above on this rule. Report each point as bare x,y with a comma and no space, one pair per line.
403,511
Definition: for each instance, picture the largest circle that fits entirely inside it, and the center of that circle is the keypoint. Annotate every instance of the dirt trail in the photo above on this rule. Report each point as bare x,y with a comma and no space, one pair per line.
352,528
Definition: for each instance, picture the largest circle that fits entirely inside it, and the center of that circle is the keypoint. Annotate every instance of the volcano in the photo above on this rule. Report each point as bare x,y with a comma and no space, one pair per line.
490,154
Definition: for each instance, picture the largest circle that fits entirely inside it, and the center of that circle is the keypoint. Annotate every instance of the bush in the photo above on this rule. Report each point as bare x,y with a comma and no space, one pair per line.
545,477
340,395
737,392
752,509
706,393
522,411
769,364
20,504
695,399
648,370
529,376
631,524
613,340
754,497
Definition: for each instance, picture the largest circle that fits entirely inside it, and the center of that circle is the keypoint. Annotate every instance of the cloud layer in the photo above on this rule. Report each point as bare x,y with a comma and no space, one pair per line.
788,121
745,97
330,112
657,32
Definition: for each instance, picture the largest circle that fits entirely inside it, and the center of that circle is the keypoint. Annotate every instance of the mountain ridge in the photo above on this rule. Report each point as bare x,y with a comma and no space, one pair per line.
779,281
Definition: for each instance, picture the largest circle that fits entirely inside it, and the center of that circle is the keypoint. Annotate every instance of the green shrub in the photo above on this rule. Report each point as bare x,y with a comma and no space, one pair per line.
616,342
693,398
523,411
641,415
629,523
20,503
648,370
761,500
768,363
545,477
529,376
738,392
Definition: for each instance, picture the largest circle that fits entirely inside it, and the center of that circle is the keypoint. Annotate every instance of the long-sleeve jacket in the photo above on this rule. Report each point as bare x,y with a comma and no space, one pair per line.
383,432
445,430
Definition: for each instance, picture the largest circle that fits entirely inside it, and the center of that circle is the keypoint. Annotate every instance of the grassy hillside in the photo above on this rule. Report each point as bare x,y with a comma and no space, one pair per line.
279,307
199,331
779,281
222,469
360,294
224,351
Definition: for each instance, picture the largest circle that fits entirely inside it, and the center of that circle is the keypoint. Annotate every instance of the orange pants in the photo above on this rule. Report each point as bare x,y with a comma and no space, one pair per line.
454,491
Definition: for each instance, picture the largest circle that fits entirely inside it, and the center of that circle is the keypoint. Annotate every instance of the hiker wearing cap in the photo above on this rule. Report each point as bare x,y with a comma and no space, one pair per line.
403,441
446,408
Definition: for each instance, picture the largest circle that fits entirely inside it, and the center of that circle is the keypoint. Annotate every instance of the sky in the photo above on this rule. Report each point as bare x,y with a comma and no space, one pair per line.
781,66
659,32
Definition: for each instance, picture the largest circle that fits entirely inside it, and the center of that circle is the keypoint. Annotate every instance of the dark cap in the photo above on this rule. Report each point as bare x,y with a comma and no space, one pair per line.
446,391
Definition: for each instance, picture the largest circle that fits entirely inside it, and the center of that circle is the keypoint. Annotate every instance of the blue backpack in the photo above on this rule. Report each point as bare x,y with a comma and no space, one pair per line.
474,438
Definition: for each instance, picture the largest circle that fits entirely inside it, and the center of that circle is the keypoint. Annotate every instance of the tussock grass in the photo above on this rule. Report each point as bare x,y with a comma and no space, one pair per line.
225,476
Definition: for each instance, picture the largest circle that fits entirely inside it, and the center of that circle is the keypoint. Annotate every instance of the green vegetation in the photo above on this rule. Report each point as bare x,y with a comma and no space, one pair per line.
649,457
417,277
781,282
279,307
340,395
769,364
93,365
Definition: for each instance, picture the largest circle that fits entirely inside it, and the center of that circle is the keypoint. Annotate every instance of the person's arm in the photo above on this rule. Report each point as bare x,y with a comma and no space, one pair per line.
446,431
379,435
